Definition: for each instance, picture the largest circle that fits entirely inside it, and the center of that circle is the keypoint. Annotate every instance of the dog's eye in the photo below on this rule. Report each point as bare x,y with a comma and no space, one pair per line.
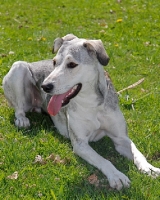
54,62
72,65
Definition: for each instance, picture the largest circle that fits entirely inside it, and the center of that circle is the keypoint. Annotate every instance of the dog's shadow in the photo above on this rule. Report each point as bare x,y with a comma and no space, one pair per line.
104,147
38,121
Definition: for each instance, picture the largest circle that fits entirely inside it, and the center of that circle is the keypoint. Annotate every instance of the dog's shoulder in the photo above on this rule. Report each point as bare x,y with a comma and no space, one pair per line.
111,99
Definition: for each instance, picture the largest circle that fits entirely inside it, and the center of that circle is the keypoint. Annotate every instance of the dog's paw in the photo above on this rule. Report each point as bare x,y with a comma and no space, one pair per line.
118,180
22,122
150,170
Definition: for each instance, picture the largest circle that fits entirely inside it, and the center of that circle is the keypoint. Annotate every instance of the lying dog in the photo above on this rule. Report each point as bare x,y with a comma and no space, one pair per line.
80,100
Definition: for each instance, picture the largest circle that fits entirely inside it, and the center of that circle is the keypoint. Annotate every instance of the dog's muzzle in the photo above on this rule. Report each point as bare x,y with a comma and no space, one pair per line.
59,100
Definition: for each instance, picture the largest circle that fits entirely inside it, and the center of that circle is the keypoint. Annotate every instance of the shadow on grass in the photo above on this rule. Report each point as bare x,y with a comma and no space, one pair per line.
38,121
79,187
85,191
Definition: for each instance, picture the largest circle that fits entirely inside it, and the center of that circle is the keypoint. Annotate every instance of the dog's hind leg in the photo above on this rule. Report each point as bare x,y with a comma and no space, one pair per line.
118,133
17,85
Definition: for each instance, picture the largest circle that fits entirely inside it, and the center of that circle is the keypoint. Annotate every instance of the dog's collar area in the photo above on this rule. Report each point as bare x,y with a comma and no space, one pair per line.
72,93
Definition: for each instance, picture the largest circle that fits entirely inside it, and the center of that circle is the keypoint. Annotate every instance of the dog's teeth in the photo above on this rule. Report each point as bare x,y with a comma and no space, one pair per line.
71,92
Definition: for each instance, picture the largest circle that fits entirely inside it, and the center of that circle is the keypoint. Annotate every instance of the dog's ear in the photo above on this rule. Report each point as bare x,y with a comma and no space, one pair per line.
69,37
57,44
59,41
96,46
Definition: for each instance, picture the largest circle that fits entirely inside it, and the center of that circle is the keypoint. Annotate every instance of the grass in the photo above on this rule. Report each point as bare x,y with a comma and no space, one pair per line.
130,32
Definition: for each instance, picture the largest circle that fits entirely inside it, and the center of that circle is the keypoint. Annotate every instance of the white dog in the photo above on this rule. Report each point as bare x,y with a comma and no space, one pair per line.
80,100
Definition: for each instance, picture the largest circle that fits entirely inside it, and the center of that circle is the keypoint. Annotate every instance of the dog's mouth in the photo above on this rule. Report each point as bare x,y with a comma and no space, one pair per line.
60,100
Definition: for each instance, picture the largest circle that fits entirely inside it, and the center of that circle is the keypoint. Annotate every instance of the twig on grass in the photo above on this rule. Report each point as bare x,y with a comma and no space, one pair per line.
16,20
131,86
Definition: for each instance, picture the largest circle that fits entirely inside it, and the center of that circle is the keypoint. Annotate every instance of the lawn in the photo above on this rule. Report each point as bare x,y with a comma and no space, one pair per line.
130,31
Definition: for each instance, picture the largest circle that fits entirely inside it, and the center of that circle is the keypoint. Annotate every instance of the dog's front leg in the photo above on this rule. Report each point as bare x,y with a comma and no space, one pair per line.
141,162
123,144
127,148
81,147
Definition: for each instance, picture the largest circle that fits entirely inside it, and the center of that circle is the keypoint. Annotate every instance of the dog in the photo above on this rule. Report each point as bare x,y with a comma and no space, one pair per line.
80,99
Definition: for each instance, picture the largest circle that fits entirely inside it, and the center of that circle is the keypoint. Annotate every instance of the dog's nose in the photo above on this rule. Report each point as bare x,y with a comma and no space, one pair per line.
47,87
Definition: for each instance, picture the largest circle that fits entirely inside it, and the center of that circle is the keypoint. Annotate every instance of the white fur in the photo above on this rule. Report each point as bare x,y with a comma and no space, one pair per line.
91,115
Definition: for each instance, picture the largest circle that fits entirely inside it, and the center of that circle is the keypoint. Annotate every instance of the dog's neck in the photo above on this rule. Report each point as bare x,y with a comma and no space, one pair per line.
86,106
89,96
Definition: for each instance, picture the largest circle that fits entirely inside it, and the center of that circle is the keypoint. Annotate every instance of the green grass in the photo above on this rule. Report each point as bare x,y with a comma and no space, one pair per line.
130,31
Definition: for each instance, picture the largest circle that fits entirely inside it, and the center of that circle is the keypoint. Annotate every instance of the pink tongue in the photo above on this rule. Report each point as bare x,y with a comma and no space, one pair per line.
55,103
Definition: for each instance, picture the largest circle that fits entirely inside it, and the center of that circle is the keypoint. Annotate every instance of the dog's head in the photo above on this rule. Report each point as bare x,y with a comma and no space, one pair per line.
77,65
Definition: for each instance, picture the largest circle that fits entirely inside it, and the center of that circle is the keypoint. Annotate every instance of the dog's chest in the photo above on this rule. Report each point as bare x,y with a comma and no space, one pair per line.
86,119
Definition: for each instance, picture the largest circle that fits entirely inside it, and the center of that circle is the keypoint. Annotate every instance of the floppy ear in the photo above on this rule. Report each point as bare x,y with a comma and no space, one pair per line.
96,48
59,41
69,37
57,44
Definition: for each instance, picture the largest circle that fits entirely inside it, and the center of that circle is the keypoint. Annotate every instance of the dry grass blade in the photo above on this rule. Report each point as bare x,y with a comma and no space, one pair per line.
131,86
13,176
40,160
